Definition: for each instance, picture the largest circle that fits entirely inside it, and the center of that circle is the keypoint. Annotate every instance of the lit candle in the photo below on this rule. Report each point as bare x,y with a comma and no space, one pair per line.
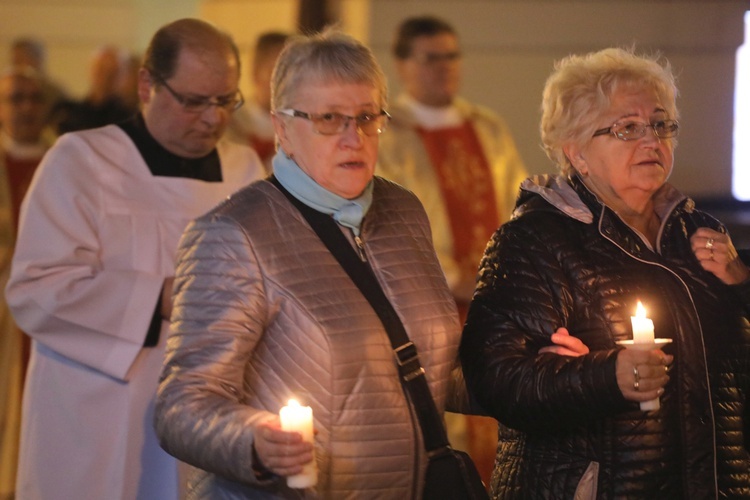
298,418
643,328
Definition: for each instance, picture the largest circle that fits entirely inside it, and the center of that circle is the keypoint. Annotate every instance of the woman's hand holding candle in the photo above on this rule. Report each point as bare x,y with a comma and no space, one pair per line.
281,452
297,418
652,373
642,367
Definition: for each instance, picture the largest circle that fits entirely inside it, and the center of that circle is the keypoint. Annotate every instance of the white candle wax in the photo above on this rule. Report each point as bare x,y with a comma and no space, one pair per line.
298,418
643,328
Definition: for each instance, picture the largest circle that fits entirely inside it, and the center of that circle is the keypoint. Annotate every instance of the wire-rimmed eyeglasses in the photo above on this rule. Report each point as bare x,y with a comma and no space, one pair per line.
336,123
198,104
435,58
632,130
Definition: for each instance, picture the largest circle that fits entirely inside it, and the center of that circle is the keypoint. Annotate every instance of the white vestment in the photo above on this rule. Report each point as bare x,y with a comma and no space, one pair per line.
97,239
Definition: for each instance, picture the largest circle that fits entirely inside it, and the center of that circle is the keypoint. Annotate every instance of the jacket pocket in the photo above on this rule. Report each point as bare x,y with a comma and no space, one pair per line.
586,489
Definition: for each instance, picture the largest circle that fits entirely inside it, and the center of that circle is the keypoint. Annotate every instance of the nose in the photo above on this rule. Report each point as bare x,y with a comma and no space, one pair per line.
214,114
650,137
352,134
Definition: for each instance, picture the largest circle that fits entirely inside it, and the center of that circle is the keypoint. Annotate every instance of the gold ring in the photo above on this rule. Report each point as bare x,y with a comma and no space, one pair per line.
710,243
637,377
711,257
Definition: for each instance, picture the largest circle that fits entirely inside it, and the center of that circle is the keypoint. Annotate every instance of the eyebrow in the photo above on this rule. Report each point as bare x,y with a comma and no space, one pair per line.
363,108
630,115
193,95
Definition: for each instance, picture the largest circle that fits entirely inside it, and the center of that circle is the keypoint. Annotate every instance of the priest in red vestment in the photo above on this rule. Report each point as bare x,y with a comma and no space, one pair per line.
461,161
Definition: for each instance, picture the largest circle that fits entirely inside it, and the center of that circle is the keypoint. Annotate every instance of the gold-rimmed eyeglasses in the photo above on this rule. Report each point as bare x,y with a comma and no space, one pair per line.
199,104
336,123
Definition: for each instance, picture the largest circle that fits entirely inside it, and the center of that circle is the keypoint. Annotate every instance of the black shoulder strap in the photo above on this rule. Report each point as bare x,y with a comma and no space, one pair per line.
411,371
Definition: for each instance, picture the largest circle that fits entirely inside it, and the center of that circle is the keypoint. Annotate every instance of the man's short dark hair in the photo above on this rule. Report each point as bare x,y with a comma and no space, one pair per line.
415,27
192,34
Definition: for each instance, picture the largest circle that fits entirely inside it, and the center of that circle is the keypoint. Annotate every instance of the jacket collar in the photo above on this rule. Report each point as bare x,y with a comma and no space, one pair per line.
571,197
558,192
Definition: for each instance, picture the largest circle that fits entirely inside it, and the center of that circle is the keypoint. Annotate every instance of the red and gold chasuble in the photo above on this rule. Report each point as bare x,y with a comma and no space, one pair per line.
465,180
466,183
265,148
19,174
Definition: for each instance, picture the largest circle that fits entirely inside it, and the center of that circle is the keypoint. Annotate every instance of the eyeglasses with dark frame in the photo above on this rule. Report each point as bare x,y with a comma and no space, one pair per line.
632,130
196,104
335,123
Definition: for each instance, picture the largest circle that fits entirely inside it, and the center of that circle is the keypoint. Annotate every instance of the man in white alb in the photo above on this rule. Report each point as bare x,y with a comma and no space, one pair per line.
92,273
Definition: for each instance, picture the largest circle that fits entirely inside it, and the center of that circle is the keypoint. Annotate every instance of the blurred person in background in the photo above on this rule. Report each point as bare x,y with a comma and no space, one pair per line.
27,52
127,90
252,124
23,111
103,103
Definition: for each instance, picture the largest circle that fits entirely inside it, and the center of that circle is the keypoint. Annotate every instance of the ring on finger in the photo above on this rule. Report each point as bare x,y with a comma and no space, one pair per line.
637,379
711,257
710,243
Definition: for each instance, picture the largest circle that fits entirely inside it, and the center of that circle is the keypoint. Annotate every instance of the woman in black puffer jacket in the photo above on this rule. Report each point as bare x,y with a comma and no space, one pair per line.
582,249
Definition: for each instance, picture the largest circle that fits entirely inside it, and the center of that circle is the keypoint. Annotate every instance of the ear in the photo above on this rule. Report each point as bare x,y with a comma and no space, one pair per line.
574,153
279,127
145,84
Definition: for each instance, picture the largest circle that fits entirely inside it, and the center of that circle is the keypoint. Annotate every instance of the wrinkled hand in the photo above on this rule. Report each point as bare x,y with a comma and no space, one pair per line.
566,345
717,255
281,452
652,367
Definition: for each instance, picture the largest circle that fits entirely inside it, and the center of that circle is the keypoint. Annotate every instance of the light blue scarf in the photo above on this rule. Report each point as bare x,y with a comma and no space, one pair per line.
348,213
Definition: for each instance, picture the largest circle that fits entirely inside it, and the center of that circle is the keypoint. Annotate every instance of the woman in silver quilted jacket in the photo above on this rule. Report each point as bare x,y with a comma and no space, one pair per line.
263,312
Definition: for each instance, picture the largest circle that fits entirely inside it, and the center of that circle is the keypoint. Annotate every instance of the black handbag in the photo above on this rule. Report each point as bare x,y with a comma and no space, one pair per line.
451,474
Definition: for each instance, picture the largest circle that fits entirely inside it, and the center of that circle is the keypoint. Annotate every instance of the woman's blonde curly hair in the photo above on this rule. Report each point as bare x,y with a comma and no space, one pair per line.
579,92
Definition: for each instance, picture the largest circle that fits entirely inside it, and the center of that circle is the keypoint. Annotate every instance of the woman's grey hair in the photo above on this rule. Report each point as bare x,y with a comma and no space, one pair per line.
580,89
330,56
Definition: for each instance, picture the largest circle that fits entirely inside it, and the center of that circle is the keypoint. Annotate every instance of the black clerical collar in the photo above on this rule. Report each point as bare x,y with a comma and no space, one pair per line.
167,164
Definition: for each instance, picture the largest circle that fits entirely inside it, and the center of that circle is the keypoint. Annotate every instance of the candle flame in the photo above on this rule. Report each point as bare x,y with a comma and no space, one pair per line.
640,311
293,402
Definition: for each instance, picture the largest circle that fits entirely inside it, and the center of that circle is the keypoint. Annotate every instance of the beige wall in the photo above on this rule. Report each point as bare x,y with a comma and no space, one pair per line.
510,47
73,29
